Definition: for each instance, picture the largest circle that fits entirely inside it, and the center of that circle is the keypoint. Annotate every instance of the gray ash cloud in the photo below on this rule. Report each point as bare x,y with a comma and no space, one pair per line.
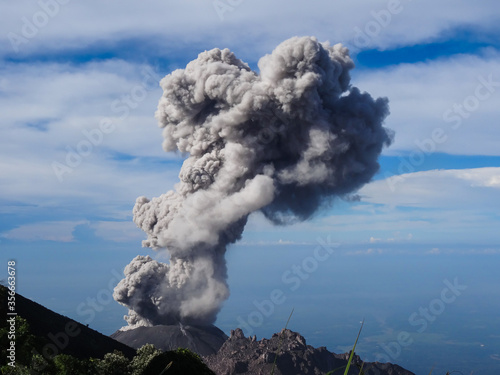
282,141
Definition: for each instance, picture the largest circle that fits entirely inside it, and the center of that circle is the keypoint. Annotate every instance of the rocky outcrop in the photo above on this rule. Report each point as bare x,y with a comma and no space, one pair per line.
246,355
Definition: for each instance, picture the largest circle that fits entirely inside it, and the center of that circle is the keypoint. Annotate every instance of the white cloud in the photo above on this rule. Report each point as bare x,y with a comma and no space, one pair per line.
261,24
369,251
279,242
441,207
118,231
70,100
60,231
422,99
434,250
74,100
484,177
472,189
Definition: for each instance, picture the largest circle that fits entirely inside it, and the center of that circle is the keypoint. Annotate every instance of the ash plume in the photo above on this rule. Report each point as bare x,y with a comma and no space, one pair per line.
283,141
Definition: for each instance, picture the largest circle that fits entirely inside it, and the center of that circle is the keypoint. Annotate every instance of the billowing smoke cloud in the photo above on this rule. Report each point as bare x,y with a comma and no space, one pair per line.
283,142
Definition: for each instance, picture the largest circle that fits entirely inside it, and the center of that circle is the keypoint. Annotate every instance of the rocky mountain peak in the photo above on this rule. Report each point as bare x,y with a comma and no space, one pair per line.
247,355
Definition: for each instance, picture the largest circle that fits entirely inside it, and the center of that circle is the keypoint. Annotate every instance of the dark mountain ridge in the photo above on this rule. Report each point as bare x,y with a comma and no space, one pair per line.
62,334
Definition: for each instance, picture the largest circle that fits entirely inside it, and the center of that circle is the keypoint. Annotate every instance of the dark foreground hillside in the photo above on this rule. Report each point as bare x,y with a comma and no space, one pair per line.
60,333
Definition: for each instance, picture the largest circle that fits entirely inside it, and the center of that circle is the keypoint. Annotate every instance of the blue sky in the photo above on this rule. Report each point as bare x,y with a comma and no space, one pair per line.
78,68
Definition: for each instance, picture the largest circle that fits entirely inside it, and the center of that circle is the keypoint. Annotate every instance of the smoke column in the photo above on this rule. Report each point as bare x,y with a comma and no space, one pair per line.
282,141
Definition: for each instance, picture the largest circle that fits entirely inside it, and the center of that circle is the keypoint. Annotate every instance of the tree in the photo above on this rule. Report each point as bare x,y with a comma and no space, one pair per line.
113,364
144,356
24,342
69,365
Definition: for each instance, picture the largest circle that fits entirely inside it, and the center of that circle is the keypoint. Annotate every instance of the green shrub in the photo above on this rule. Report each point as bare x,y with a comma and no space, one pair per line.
113,364
144,356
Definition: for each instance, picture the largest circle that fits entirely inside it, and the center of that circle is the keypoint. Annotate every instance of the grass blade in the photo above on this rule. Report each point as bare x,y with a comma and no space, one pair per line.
353,348
166,368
